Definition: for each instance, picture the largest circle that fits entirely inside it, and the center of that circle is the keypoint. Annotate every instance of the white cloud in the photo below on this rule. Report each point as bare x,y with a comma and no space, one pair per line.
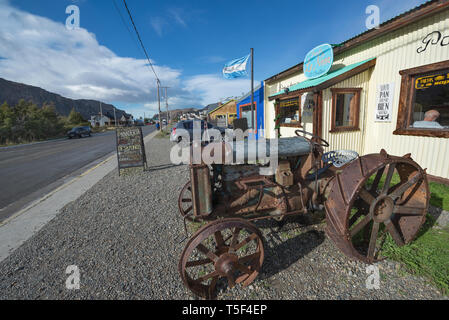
212,88
44,53
38,51
158,25
177,15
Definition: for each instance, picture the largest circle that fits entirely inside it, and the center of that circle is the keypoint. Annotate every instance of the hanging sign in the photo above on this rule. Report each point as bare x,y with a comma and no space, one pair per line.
289,103
318,61
307,104
384,102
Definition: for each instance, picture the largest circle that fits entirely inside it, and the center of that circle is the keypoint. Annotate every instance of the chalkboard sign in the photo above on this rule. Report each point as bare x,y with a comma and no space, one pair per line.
241,124
130,148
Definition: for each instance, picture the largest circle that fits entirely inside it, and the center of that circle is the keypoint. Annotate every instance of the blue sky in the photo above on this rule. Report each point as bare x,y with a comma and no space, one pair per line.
188,41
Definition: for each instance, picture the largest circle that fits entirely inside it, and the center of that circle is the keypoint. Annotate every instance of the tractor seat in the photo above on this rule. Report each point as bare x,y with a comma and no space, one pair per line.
245,152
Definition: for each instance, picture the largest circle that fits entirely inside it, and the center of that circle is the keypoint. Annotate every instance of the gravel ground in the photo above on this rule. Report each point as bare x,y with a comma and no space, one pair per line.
125,235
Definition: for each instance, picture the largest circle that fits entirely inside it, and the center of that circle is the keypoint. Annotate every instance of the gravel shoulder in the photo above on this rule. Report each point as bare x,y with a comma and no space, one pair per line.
125,235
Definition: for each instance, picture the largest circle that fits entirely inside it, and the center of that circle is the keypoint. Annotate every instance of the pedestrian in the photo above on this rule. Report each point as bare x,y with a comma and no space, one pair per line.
157,126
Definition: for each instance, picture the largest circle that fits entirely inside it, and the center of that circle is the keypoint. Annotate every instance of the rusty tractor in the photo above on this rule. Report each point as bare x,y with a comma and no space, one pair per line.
365,199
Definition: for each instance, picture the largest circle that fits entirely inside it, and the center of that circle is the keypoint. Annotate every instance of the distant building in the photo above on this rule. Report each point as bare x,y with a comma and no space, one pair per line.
210,107
101,120
126,120
108,119
224,114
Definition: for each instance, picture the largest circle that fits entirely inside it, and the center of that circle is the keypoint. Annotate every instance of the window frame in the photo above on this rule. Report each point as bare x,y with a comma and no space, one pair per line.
357,93
406,100
277,109
255,114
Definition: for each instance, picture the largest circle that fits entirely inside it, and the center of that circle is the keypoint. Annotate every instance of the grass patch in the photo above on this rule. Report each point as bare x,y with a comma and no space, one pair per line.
163,134
439,193
193,227
102,129
427,256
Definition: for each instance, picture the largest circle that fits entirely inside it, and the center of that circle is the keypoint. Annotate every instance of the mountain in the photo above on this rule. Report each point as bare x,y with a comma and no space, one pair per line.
12,92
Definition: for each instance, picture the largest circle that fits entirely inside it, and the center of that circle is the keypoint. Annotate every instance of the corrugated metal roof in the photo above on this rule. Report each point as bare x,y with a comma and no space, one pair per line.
224,104
315,82
249,93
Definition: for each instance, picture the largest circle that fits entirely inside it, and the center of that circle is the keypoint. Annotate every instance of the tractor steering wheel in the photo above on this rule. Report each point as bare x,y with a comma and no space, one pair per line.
323,143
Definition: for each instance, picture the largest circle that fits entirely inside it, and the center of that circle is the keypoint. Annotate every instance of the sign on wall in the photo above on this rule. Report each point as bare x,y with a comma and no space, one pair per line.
440,79
130,148
384,102
318,61
307,104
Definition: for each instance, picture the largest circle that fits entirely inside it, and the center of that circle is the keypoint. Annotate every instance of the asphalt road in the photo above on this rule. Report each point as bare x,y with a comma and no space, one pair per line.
28,172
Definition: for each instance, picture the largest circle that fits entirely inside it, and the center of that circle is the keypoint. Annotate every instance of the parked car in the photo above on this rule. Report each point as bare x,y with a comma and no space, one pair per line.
188,125
79,132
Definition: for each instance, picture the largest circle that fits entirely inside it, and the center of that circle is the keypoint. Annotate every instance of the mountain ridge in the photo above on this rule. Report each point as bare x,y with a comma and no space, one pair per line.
12,92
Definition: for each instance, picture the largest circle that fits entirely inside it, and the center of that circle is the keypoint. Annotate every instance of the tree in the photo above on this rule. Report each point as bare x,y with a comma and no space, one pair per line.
26,122
75,117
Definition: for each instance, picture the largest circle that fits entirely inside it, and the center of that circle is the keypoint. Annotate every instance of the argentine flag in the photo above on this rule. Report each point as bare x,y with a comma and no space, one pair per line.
236,68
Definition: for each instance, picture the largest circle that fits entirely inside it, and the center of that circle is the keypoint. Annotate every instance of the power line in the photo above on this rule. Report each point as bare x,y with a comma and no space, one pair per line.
140,40
126,25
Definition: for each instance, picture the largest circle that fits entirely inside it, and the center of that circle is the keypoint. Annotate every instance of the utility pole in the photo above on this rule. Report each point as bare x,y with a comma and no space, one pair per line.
252,92
115,118
159,103
166,103
101,113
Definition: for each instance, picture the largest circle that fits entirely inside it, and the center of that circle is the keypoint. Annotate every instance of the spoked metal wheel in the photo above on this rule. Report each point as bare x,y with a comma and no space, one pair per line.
220,255
185,201
374,196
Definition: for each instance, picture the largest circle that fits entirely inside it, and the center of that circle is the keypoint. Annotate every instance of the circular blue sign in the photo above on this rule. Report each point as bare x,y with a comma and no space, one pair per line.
318,61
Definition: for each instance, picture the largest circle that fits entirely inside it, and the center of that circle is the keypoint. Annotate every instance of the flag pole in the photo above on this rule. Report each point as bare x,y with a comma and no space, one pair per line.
252,90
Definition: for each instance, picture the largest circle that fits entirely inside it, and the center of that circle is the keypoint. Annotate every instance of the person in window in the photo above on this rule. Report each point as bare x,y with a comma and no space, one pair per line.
429,121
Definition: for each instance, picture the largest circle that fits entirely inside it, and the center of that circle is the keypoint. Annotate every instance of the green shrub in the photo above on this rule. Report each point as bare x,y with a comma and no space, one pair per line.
27,123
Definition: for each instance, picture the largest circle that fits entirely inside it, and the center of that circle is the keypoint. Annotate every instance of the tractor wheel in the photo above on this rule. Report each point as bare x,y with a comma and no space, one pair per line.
374,196
222,254
185,203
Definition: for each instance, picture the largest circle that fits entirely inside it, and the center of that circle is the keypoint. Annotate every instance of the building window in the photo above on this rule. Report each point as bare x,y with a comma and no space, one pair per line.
245,112
424,101
345,109
288,113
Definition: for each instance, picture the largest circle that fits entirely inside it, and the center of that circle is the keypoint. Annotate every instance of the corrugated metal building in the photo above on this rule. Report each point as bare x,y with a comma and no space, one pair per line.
407,58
